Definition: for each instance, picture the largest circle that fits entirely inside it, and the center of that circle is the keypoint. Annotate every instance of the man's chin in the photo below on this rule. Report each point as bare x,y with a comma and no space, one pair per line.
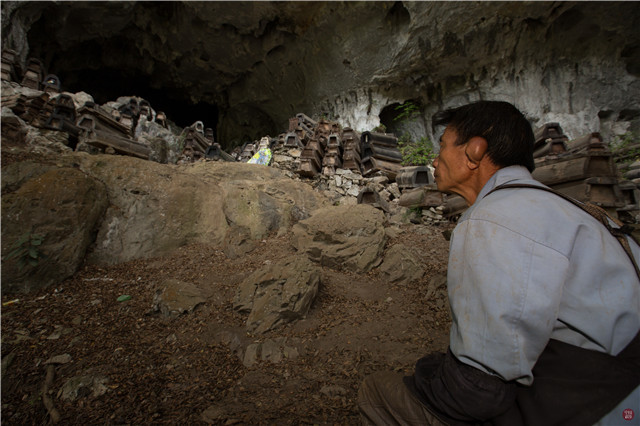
443,190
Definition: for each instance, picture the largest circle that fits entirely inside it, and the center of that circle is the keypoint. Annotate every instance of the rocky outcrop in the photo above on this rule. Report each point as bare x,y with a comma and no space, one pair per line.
342,237
111,209
48,223
278,293
255,64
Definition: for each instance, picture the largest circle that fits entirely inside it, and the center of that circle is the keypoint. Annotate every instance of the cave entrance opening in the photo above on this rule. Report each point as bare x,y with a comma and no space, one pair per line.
405,120
107,85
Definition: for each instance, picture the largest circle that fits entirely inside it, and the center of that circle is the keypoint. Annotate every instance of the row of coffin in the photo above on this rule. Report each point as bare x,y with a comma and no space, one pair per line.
109,131
33,77
325,146
582,168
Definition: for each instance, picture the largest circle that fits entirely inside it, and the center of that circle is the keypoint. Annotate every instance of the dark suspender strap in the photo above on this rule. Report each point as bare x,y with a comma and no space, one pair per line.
620,233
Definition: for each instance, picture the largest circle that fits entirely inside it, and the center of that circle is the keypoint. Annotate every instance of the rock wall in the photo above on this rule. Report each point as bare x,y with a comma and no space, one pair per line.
262,62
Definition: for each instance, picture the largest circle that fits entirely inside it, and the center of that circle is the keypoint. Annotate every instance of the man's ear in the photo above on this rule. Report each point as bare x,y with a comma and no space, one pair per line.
475,149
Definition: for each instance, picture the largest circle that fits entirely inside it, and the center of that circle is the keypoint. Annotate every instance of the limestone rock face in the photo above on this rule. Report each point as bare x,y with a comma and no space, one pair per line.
48,224
342,237
260,63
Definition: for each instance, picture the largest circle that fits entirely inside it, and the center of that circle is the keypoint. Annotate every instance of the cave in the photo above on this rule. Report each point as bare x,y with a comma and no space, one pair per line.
404,119
245,68
102,84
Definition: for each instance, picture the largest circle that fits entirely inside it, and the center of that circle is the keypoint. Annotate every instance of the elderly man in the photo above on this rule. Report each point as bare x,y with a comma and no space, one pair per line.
545,302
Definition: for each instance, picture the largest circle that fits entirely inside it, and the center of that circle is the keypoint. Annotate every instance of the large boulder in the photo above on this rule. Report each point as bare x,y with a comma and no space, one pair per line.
158,207
110,209
48,223
349,237
278,294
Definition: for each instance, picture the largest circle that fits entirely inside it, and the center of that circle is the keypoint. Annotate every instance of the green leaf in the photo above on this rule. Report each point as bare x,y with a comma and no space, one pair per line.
33,252
33,262
124,298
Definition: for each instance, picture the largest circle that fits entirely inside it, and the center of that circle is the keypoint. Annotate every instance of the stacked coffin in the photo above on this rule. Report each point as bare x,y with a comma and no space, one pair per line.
585,171
195,144
311,158
418,187
549,139
9,72
248,151
333,156
414,177
32,109
372,197
34,74
215,152
380,153
305,135
351,149
101,130
63,118
292,140
305,126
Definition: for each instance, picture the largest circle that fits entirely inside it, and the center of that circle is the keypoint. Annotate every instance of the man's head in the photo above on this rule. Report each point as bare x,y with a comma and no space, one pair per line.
479,139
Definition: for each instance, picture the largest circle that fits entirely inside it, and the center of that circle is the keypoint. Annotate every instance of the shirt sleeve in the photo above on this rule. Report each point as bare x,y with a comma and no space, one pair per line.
505,291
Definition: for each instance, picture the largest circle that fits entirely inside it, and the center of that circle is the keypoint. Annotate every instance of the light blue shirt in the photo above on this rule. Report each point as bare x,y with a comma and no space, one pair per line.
526,266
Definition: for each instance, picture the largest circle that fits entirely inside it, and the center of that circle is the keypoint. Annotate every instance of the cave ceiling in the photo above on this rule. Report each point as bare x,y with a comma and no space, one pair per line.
246,67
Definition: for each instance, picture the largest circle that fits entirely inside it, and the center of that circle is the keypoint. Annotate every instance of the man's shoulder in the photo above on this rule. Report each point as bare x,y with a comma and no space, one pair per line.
536,214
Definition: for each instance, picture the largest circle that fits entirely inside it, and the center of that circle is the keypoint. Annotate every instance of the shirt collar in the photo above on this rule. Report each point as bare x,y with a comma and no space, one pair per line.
504,175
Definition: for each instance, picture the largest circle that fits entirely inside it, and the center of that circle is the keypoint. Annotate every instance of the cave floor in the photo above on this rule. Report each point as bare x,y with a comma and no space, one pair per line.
141,367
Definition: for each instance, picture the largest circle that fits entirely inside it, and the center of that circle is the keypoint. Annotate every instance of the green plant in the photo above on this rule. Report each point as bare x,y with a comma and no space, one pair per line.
381,128
626,147
408,111
414,153
417,153
26,250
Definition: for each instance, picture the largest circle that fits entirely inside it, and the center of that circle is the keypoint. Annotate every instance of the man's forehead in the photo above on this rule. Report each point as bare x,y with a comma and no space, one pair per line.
448,132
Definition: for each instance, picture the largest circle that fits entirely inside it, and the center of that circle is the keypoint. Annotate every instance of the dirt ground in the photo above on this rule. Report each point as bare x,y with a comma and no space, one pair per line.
146,368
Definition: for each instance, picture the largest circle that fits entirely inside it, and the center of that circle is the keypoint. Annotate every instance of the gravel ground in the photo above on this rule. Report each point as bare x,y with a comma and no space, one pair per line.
141,367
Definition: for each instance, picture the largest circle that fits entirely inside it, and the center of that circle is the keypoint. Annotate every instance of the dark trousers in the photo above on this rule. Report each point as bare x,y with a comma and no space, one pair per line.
384,399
